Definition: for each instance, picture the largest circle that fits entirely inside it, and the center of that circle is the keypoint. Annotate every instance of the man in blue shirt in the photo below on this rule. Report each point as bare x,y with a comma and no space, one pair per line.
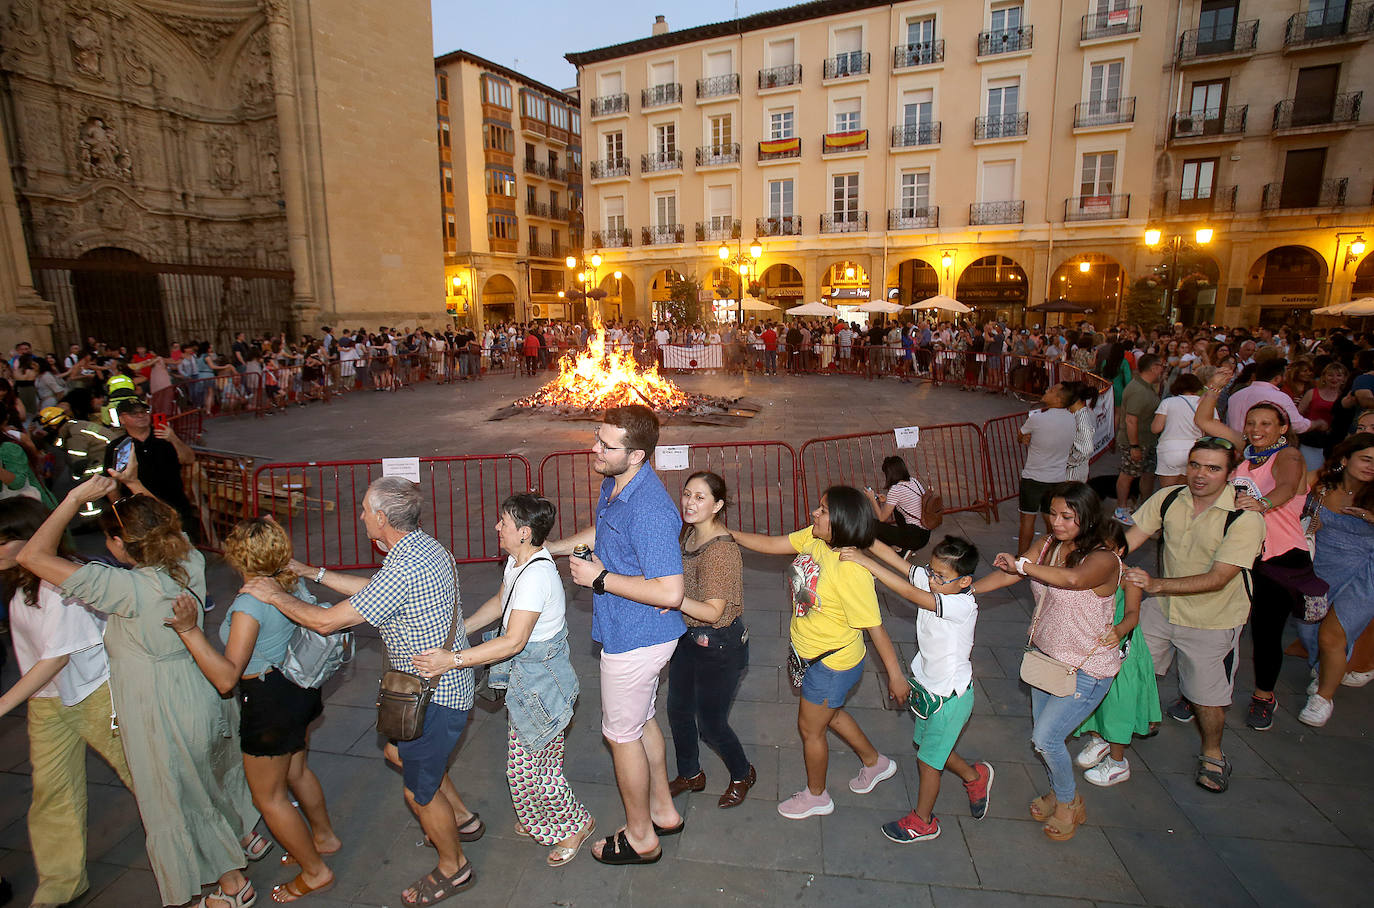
636,578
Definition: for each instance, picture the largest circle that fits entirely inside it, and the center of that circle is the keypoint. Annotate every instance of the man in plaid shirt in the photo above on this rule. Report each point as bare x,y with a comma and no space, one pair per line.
411,601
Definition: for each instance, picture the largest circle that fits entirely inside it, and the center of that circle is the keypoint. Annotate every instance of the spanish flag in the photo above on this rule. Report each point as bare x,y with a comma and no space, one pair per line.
851,139
780,146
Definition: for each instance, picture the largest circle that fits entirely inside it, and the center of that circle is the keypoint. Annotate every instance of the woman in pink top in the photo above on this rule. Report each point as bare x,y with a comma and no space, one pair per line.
1074,575
1270,480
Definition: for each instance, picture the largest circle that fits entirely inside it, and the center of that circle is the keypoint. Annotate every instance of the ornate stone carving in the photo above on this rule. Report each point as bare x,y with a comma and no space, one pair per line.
100,154
23,27
207,36
272,168
134,67
253,72
223,163
87,47
111,210
277,11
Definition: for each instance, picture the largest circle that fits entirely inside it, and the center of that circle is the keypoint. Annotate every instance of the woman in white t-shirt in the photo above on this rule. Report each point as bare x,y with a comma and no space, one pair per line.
541,687
66,683
1177,431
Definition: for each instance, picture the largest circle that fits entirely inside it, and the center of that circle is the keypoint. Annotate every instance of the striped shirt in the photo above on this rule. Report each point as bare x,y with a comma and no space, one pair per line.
906,496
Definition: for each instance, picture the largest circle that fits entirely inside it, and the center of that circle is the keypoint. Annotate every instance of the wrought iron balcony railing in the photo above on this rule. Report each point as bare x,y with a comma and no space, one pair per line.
844,222
712,155
617,238
1239,38
1110,24
914,217
610,104
1201,200
779,76
656,161
915,134
1005,40
778,226
997,213
718,86
1104,112
853,63
661,235
1097,207
659,95
1001,126
1344,108
611,167
1217,121
1305,194
923,53
718,229
1324,23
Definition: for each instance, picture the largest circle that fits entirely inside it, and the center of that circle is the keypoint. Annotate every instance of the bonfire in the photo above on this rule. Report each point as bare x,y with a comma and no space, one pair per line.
604,376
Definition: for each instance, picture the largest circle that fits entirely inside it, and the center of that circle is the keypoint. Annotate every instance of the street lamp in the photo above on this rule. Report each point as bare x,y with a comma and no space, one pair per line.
739,261
1153,236
1353,250
586,277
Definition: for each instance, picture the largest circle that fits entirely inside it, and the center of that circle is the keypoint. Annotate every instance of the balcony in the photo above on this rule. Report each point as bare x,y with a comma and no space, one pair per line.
538,127
845,222
661,235
839,142
842,66
1001,126
547,251
1004,40
1335,24
1113,24
606,105
717,155
1305,194
559,213
661,95
612,167
619,238
1103,112
1097,207
980,213
718,86
1202,45
536,168
718,229
915,134
913,218
1340,111
658,161
1219,122
1203,200
780,76
537,209
778,226
905,56
778,149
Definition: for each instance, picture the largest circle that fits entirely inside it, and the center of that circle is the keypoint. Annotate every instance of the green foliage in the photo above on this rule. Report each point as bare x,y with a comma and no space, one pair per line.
684,301
1145,302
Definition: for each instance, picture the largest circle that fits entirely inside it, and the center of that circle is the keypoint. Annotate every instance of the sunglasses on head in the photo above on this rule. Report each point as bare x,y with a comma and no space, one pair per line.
1214,441
114,509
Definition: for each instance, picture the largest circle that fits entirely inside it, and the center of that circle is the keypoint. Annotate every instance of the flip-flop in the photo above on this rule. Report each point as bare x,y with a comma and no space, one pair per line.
563,854
298,888
615,849
434,887
289,860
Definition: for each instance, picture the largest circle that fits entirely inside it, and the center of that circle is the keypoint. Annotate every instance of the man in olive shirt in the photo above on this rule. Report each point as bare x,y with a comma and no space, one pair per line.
1134,440
1200,604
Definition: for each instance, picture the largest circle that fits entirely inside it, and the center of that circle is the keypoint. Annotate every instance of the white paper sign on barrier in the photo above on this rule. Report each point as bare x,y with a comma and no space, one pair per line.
670,457
907,436
405,467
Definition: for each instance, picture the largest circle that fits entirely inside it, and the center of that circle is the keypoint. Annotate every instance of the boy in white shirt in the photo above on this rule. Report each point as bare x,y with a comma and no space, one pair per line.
942,673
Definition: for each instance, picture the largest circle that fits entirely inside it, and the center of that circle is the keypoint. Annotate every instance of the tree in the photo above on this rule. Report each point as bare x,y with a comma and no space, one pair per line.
684,300
1144,302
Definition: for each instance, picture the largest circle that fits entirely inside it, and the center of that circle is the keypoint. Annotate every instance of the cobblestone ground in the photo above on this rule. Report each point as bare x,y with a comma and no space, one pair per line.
1295,828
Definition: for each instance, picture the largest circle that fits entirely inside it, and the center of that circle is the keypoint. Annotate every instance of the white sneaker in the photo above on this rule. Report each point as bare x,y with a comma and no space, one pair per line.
1357,679
1108,773
1123,516
1092,754
1313,684
1317,712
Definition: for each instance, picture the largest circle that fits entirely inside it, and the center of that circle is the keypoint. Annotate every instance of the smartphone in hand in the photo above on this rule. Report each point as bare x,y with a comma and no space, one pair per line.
159,421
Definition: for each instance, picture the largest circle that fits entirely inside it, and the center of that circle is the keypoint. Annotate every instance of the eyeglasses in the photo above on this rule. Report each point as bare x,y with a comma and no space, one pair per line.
114,509
598,443
940,578
1213,440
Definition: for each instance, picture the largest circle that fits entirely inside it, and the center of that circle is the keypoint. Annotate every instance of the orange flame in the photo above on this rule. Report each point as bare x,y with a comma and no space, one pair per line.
604,376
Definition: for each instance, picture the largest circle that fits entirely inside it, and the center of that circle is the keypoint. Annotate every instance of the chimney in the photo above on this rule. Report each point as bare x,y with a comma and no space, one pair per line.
660,25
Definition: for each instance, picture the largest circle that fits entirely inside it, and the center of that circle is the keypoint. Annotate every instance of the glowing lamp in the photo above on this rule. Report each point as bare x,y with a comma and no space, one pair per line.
723,252
1085,267
1358,246
571,261
756,249
596,260
1204,235
1153,236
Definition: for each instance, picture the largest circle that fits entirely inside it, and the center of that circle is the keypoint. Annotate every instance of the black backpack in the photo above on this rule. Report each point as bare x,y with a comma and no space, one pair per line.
1226,528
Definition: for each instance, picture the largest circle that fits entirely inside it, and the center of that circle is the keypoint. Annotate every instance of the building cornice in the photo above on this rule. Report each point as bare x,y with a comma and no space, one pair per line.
463,56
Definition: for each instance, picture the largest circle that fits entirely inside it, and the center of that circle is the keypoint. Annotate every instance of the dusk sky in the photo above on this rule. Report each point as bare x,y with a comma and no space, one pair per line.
531,36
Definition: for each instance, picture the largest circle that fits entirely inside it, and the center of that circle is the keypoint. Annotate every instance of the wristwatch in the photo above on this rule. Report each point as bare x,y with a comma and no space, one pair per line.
319,575
599,584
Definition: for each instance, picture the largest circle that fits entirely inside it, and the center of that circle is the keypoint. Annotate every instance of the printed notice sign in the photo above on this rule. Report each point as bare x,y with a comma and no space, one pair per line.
907,436
405,467
671,457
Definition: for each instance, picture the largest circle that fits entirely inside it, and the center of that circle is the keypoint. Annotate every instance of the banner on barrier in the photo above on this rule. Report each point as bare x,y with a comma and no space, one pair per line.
701,356
1105,429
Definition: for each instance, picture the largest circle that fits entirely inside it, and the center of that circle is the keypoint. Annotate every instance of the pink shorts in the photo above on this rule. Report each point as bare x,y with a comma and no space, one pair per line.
629,683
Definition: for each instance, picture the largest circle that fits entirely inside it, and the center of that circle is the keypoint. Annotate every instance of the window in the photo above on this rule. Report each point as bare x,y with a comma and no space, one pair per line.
615,147
665,140
1004,97
444,135
1207,100
780,198
1099,174
441,85
845,197
1104,87
847,115
665,209
531,199
448,180
921,32
612,83
917,107
450,226
555,240
1314,99
781,53
501,182
849,40
558,116
575,122
1006,17
661,73
553,200
1303,169
534,238
498,138
719,207
914,194
496,92
999,181
719,63
781,124
1216,31
501,226
1199,179
615,214
553,163
720,130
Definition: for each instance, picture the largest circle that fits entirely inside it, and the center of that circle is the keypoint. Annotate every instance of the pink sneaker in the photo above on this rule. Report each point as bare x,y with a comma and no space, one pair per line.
869,776
804,804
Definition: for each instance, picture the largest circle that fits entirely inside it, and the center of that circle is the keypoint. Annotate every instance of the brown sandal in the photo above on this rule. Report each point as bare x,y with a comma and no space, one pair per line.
1060,830
298,888
1042,808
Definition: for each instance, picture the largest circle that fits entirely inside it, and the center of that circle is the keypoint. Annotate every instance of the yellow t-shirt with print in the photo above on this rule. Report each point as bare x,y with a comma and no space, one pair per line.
832,601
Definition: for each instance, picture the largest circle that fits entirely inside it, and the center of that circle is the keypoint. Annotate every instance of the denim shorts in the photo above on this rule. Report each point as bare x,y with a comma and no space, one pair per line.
424,761
825,686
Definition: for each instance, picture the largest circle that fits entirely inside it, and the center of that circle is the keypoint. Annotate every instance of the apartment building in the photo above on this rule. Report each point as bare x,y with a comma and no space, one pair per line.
1011,153
510,171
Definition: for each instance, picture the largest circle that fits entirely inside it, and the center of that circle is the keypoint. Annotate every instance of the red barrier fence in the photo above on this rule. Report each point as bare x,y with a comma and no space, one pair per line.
218,482
1004,455
949,456
320,504
761,476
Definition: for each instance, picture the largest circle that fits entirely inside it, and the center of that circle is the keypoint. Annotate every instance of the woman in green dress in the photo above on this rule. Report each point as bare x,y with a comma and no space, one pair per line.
179,736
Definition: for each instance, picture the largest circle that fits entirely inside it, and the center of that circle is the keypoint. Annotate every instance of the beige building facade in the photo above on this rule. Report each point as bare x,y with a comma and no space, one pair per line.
510,174
1011,153
166,168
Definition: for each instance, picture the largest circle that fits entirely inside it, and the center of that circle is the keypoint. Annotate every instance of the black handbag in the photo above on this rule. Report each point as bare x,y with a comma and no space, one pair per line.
403,697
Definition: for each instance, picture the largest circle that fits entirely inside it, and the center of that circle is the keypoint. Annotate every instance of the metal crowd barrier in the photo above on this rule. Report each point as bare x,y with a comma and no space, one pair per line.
1004,455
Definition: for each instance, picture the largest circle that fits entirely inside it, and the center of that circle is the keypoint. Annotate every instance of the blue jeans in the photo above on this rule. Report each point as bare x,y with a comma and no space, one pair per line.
1054,719
701,689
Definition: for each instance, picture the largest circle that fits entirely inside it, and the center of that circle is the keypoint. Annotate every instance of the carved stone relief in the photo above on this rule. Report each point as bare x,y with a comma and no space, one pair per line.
223,166
253,72
22,29
207,36
87,47
111,210
100,154
134,67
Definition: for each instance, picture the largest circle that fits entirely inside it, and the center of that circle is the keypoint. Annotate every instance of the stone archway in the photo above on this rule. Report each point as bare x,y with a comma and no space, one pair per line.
782,285
914,280
1286,283
118,299
1364,278
620,296
499,298
1093,280
996,285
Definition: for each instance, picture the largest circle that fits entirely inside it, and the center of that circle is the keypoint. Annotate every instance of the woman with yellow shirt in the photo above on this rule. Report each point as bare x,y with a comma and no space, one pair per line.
834,602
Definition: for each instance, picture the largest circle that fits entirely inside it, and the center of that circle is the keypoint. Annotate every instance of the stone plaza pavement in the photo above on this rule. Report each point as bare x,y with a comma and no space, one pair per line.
1296,828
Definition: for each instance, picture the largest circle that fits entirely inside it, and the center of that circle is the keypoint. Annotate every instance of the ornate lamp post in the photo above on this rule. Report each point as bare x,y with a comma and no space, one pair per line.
1153,237
586,277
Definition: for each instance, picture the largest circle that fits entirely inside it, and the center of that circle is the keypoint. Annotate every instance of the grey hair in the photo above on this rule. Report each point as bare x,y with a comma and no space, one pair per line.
398,499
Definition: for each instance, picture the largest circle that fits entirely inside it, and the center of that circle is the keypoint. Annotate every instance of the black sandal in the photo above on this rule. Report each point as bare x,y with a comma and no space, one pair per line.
615,849
434,887
1221,777
670,830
